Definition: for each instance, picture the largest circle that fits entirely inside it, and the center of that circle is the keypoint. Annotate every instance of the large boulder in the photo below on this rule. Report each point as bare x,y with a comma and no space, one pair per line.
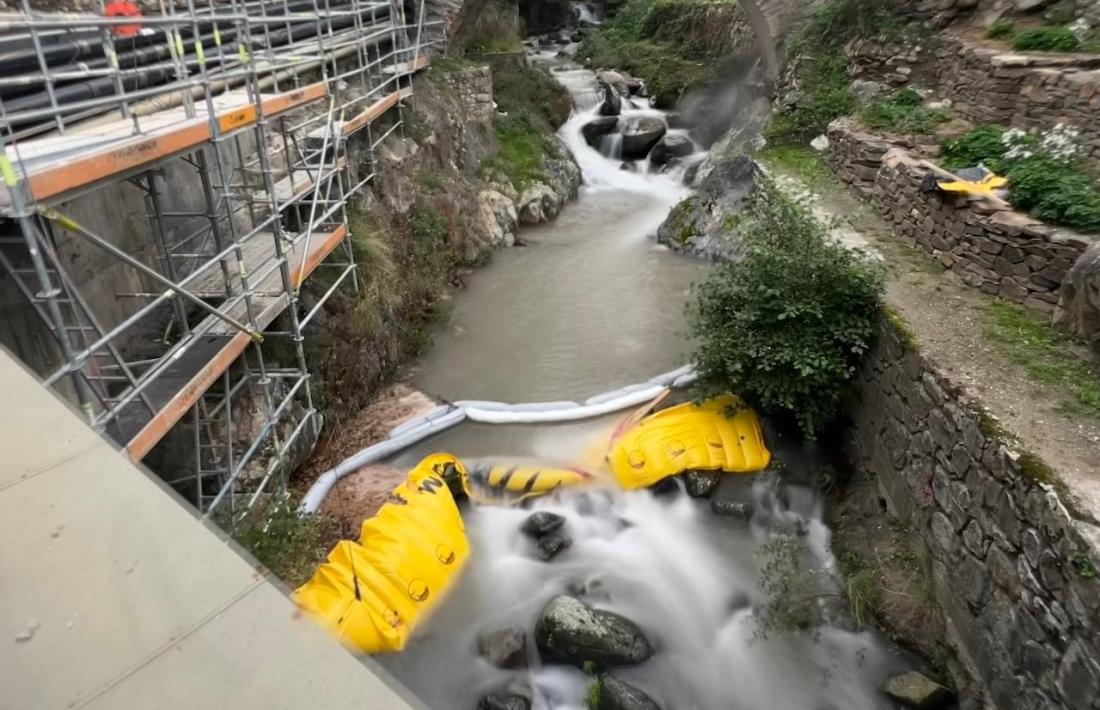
594,131
615,79
497,215
617,695
1078,308
542,522
705,223
640,134
612,105
538,203
573,631
671,145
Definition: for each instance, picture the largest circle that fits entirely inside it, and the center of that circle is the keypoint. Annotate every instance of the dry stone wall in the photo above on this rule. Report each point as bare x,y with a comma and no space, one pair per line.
1000,251
1015,571
987,85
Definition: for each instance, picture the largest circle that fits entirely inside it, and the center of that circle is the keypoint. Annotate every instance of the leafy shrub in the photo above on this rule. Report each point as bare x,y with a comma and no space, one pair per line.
902,112
785,327
982,146
523,147
1055,192
1001,29
791,587
288,544
1047,39
1046,173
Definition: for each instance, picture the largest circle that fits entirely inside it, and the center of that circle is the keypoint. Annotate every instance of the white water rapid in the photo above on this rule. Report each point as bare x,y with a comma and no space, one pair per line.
590,305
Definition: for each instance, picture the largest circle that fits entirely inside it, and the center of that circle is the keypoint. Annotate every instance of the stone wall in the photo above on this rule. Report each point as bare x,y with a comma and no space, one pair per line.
945,12
1000,251
1015,571
988,85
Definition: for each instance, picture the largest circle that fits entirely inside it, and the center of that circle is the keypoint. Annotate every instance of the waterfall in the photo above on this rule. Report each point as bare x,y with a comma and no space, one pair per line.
611,146
583,12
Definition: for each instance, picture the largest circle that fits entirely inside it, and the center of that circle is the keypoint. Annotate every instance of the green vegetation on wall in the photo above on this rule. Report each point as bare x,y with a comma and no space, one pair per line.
786,327
816,78
903,112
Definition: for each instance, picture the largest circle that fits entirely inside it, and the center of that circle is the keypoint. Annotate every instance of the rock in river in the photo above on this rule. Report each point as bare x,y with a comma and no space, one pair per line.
671,146
569,629
550,545
640,134
917,691
700,484
506,648
612,105
515,696
617,695
595,130
542,523
732,507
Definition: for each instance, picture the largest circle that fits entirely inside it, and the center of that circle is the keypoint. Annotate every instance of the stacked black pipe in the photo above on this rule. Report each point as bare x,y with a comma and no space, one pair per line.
140,55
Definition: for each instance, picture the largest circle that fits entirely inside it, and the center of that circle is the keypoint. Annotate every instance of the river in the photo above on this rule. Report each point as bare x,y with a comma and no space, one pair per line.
593,303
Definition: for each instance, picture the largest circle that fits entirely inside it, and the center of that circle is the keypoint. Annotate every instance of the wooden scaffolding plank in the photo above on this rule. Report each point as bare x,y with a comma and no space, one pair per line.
198,376
117,158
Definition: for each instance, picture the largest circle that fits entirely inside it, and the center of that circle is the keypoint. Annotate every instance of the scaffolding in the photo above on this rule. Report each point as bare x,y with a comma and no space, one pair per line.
258,101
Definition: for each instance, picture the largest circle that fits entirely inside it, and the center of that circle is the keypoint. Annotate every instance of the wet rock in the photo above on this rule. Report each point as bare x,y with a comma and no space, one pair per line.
640,134
700,484
497,215
550,545
1078,308
629,165
506,648
612,105
538,203
542,523
917,691
705,223
740,509
635,86
515,696
569,629
665,487
615,79
617,695
671,146
595,130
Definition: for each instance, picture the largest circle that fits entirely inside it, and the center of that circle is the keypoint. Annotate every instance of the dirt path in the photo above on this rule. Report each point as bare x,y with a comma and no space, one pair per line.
949,319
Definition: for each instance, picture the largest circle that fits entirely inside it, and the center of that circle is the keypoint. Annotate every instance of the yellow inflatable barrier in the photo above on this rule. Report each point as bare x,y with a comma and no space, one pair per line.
689,437
372,594
527,481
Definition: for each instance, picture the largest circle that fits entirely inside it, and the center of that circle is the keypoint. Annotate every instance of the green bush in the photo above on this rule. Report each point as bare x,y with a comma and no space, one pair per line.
518,88
785,327
903,113
1047,39
1001,29
1055,192
1059,190
982,146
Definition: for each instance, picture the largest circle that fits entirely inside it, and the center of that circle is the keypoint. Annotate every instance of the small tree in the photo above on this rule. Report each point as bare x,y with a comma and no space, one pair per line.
786,326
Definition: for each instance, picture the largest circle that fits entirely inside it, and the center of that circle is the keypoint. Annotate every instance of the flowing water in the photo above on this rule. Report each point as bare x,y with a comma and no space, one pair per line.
593,304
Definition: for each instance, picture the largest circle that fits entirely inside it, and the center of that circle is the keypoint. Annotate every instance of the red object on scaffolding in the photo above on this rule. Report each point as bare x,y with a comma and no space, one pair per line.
123,8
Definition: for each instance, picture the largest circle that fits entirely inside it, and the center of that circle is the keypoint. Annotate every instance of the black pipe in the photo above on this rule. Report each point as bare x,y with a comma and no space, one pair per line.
105,86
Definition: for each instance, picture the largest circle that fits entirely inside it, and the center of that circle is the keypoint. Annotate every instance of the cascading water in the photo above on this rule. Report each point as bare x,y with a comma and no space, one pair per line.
593,304
585,14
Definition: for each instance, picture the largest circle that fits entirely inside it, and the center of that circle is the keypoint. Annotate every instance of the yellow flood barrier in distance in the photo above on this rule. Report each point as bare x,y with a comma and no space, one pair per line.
689,437
371,594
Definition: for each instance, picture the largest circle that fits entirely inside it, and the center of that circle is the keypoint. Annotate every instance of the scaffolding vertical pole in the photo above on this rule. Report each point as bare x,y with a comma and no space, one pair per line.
156,222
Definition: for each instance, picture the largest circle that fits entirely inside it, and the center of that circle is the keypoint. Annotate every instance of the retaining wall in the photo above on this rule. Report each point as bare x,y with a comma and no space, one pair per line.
1015,572
1000,251
989,85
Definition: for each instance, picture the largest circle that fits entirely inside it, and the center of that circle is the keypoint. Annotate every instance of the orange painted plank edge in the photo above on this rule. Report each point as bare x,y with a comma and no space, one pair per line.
144,441
56,180
371,113
315,257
